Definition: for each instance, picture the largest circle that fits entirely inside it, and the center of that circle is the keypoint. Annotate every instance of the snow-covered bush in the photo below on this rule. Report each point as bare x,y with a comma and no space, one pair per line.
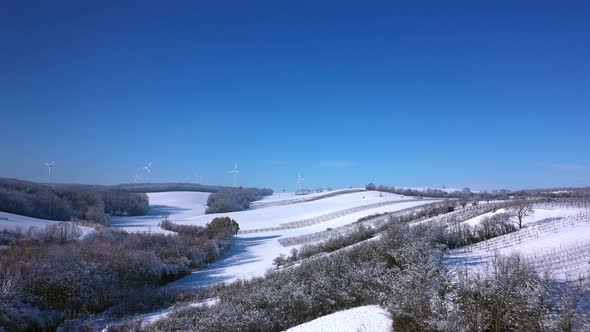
510,298
78,278
66,202
234,199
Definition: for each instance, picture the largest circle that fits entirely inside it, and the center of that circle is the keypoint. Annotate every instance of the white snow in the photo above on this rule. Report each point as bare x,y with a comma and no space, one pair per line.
189,208
284,198
177,204
251,255
367,318
151,317
539,214
15,222
554,240
274,216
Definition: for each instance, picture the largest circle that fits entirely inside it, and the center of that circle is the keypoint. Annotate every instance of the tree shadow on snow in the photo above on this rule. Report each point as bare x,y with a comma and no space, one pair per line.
240,253
150,219
467,263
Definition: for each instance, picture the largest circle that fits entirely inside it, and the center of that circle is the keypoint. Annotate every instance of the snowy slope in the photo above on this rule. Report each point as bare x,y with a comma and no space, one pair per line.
189,208
540,214
273,216
251,255
554,240
15,222
177,204
292,198
12,222
367,318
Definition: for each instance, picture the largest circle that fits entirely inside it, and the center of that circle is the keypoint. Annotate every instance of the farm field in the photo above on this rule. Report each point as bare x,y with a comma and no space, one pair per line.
555,239
255,248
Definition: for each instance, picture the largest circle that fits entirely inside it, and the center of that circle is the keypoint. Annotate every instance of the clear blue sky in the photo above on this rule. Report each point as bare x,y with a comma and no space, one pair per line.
485,94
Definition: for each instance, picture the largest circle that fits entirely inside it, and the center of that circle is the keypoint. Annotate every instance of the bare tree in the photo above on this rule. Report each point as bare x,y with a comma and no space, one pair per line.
521,208
465,195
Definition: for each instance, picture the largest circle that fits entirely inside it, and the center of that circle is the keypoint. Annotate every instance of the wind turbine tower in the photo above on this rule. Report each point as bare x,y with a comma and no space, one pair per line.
50,165
299,181
235,172
198,178
148,169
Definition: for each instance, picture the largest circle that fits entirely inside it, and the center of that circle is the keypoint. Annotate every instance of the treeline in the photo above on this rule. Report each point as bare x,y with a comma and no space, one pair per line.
361,232
67,202
401,271
434,193
44,282
163,187
235,199
502,194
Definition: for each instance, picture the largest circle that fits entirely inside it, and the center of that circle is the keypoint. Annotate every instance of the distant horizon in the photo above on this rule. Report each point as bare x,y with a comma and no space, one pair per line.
485,95
277,190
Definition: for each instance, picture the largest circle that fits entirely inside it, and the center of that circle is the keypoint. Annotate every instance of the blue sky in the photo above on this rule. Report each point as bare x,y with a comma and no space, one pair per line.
487,94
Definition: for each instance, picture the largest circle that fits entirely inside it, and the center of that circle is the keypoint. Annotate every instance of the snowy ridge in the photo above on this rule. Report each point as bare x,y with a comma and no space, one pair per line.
559,247
18,223
277,199
527,233
325,217
177,204
465,213
367,318
375,221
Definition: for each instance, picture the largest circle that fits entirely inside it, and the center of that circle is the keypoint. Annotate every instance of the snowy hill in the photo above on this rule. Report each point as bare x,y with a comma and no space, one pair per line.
15,222
367,318
554,239
252,254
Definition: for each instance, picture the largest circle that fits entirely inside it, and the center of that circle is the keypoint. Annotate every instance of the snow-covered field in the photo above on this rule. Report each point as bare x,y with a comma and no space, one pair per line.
285,198
189,208
274,216
360,319
252,254
15,222
556,240
177,204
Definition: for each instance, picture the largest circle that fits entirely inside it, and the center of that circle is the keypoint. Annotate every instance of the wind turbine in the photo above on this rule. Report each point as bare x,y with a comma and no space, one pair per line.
299,181
236,173
198,178
50,165
148,169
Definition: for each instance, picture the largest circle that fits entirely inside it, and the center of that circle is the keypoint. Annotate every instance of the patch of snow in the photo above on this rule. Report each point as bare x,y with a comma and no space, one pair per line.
539,215
274,216
367,318
251,255
149,318
292,197
555,241
176,204
15,222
